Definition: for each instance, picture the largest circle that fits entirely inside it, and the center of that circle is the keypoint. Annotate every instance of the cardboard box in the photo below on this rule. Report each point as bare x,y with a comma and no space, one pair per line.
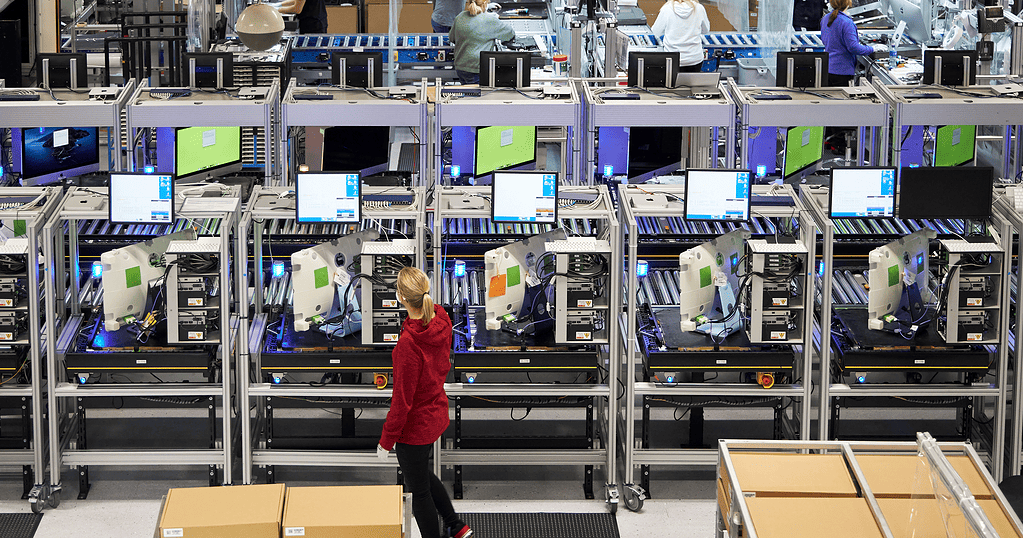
909,518
895,475
343,19
718,22
414,18
792,475
223,512
343,512
797,517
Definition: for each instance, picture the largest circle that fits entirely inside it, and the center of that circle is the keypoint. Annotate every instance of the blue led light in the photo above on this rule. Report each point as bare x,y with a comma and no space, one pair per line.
276,380
471,379
820,268
671,379
1,171
83,378
761,170
97,270
642,268
861,379
456,170
609,170
459,269
149,169
277,269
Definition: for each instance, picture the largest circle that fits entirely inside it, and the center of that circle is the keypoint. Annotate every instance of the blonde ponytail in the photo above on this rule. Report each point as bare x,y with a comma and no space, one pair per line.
414,288
475,7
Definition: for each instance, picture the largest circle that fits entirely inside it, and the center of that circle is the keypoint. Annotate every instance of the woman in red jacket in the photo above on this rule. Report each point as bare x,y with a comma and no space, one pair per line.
419,405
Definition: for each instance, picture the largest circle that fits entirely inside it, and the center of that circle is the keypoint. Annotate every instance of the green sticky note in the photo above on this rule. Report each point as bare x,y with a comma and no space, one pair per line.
20,228
706,278
513,276
893,276
133,277
321,278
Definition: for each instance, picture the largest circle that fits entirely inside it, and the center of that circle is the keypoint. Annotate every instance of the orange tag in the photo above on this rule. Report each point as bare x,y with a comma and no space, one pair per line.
497,286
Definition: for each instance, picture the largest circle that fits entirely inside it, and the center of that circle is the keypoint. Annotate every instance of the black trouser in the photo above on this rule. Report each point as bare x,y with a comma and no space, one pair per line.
428,494
839,81
695,68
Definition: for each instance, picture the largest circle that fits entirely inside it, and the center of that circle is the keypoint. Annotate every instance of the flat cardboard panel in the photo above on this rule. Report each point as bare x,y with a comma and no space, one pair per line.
895,475
718,22
224,512
343,19
414,18
909,518
815,475
344,512
798,517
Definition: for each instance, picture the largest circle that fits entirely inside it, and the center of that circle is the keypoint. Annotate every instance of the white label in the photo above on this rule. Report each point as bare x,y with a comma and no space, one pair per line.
806,137
974,337
389,303
195,301
140,361
975,301
523,361
6,336
583,335
335,361
506,137
61,138
749,494
956,134
6,302
780,301
195,335
920,361
294,531
209,138
584,303
393,337
778,335
721,361
173,533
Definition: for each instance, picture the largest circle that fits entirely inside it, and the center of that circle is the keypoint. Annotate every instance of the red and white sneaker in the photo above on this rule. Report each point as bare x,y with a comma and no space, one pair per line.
463,532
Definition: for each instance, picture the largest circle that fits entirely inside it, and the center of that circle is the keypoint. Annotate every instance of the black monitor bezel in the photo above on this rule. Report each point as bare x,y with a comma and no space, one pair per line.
206,57
493,195
504,58
216,170
660,58
749,199
110,198
943,214
476,149
362,61
831,190
298,197
785,154
82,67
928,61
782,67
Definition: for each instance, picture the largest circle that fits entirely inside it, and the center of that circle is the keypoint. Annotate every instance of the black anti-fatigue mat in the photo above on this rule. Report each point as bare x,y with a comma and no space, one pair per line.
21,525
542,525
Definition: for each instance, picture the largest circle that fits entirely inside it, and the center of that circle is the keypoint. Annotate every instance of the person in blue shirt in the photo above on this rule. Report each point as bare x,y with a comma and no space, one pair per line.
841,41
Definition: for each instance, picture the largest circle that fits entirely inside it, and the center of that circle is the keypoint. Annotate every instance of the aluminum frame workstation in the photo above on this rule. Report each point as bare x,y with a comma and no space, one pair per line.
314,371
711,119
1004,204
496,370
863,368
306,107
22,352
150,108
868,113
91,367
665,366
533,106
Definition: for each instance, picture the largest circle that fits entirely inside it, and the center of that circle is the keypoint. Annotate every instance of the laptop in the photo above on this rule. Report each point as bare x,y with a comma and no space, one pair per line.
699,83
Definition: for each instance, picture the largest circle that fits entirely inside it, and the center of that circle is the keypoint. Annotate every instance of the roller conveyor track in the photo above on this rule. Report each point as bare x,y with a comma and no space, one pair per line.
102,227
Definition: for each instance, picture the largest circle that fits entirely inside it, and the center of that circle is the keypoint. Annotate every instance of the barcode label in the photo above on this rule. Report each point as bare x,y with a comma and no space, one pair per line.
173,533
294,531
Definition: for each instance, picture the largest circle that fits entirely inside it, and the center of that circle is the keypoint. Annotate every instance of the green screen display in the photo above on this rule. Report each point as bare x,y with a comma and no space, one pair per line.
204,148
953,145
502,147
803,147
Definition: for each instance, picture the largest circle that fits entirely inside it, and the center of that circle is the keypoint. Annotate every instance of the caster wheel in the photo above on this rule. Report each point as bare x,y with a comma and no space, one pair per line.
53,500
634,497
37,507
612,508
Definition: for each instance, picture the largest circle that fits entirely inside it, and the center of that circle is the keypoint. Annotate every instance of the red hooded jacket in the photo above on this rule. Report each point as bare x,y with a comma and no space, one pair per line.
419,405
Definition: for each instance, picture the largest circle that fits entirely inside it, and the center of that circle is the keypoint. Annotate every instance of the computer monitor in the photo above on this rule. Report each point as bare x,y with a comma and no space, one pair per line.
500,147
45,155
357,68
809,69
954,66
328,197
804,147
63,70
698,267
313,276
891,266
653,69
948,192
141,198
205,152
510,69
518,197
717,194
954,145
653,151
128,273
862,192
209,69
364,148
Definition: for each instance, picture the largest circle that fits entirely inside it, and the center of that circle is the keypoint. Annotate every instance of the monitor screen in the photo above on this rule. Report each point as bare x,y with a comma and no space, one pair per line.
205,150
804,147
717,194
141,198
503,147
952,192
328,197
525,197
954,145
805,69
862,193
653,151
363,148
49,154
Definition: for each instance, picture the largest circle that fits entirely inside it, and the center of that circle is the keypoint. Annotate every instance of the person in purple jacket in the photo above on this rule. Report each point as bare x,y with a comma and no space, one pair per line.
838,32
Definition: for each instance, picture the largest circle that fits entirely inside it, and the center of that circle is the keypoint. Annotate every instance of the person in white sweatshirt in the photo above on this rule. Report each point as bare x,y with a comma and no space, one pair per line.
679,24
